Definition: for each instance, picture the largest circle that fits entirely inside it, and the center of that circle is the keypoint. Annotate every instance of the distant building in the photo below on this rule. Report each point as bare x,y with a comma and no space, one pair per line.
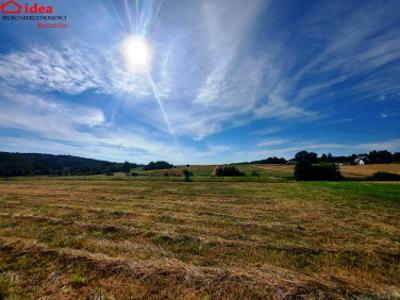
361,160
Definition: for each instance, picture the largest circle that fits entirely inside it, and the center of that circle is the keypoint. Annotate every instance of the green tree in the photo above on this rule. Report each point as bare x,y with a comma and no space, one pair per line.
127,167
308,157
188,175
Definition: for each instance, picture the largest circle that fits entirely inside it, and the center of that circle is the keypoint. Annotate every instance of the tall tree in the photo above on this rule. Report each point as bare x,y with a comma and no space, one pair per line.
306,157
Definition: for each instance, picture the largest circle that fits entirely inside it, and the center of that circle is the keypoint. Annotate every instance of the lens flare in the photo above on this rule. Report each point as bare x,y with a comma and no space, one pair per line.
137,54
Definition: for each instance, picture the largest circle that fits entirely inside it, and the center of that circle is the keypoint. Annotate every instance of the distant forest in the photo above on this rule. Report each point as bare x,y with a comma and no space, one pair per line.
374,157
21,164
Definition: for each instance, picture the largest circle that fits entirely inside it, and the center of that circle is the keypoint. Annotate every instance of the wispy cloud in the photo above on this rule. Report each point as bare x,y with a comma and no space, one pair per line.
266,131
229,64
291,148
43,115
49,69
391,145
340,120
61,130
271,143
71,71
219,81
52,119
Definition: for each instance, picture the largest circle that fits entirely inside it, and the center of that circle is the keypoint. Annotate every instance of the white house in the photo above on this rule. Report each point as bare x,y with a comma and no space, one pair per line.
361,160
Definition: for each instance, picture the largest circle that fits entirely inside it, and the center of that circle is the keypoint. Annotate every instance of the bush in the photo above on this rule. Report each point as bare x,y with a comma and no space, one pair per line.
385,176
227,171
306,157
188,175
270,160
324,171
77,280
127,167
158,165
255,174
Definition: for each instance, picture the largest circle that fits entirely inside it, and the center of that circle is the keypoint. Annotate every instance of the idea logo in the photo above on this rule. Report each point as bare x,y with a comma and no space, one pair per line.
13,7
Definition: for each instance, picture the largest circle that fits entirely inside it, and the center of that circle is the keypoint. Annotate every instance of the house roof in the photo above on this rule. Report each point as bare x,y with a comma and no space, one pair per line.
364,158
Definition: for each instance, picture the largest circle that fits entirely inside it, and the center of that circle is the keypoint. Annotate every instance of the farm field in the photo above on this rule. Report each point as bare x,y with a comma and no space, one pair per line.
162,238
277,167
347,171
270,173
368,170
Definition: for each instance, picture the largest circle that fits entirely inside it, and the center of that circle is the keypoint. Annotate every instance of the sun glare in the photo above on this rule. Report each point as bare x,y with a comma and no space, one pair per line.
137,54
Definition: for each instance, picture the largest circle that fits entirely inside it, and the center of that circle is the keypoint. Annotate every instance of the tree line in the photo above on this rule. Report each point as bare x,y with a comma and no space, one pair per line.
311,167
21,164
374,157
157,165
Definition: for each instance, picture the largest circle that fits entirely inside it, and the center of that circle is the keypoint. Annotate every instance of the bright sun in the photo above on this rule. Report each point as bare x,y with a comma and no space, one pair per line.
137,54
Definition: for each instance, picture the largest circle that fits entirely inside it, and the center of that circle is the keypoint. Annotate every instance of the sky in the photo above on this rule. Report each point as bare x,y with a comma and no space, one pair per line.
228,80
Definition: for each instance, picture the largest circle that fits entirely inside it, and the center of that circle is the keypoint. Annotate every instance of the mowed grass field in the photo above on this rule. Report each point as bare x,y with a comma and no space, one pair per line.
368,170
347,171
100,237
269,173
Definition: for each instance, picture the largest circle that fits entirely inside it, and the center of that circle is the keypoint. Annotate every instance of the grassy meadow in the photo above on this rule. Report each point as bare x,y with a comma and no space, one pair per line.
266,173
368,170
349,171
155,236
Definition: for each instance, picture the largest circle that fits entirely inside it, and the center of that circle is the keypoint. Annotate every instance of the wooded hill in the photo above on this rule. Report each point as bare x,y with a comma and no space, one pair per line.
20,164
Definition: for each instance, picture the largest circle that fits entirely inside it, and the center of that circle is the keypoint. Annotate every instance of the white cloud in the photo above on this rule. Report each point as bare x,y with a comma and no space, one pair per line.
72,71
218,71
291,148
68,70
40,114
218,81
70,123
390,145
266,131
271,143
56,127
281,109
214,149
338,121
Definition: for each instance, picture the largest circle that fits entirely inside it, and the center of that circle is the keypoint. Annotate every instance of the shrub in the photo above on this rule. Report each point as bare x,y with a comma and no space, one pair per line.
77,280
118,213
324,171
227,171
270,160
255,174
158,165
188,175
385,176
127,167
306,157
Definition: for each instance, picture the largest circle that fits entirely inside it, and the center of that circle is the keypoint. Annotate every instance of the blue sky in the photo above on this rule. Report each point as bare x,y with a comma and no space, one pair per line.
237,80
